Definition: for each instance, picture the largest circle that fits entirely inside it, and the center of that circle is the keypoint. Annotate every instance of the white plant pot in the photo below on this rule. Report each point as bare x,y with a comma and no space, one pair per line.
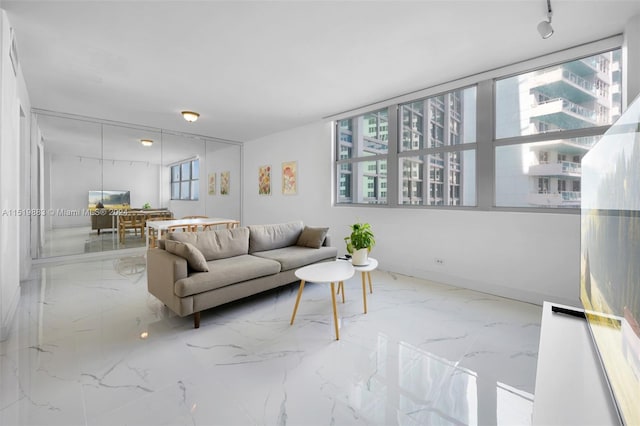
360,257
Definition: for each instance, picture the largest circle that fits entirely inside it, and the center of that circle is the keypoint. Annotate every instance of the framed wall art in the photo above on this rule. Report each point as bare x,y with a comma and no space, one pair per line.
212,183
224,183
290,178
264,180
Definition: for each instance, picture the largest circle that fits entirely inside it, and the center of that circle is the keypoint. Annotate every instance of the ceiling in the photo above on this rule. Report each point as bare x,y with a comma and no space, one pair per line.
254,68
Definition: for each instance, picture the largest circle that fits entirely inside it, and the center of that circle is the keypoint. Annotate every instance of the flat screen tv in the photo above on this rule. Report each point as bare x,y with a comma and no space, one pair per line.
110,199
610,257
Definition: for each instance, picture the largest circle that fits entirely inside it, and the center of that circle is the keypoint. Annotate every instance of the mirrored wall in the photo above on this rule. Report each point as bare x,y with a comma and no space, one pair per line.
91,171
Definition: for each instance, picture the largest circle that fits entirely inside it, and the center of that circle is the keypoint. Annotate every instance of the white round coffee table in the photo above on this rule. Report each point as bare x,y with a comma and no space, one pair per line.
364,270
325,272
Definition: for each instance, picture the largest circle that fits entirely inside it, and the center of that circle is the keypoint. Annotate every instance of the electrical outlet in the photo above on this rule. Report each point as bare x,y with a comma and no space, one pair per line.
439,261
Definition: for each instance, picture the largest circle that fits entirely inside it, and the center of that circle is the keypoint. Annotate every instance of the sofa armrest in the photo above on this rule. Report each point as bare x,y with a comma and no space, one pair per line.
163,270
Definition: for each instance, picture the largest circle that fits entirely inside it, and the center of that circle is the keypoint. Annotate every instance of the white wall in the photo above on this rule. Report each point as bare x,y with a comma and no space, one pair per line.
527,256
14,98
310,146
631,61
70,181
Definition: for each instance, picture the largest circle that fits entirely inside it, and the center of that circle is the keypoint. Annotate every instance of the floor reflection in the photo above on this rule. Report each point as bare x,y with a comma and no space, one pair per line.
79,240
90,346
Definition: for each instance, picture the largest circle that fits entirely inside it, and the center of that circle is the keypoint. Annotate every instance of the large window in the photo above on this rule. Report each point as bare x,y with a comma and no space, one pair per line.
362,153
432,148
185,184
506,142
546,121
437,161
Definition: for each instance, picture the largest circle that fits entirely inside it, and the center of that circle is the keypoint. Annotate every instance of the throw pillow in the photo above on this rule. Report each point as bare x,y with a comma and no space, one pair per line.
312,237
195,258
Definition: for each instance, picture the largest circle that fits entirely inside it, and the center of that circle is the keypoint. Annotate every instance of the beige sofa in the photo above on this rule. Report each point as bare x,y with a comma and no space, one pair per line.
193,271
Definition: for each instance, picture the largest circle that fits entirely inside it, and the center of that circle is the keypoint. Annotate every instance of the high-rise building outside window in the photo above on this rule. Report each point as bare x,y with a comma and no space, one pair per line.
438,170
362,158
550,119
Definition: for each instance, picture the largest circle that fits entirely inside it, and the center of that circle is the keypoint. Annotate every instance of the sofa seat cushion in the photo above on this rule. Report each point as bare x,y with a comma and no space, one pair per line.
295,256
219,244
270,237
223,272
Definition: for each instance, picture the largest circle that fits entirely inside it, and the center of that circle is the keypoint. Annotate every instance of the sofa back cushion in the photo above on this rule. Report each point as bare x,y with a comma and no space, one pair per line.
214,245
269,237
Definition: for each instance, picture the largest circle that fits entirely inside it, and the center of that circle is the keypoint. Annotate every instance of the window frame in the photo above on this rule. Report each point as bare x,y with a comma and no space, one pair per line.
486,142
589,132
443,146
191,181
360,155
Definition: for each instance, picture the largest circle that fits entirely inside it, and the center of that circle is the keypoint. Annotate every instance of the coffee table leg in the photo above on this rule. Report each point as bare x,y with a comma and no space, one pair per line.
335,313
370,285
341,286
364,293
295,308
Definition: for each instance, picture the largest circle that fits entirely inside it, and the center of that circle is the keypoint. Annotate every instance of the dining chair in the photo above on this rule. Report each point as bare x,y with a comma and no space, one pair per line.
228,225
130,221
194,228
183,228
154,235
233,224
125,221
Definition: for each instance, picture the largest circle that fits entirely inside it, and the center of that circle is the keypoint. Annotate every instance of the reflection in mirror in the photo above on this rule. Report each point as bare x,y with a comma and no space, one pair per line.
83,162
184,160
71,157
131,169
222,159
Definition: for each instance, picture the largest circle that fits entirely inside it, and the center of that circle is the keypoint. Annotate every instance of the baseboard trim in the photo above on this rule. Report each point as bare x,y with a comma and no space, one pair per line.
521,295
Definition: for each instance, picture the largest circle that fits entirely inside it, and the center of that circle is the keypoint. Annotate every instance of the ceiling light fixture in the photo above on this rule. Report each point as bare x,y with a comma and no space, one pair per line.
544,28
190,116
146,142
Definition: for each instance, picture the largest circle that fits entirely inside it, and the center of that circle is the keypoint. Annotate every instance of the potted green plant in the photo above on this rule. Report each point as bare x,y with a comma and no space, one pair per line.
360,242
146,206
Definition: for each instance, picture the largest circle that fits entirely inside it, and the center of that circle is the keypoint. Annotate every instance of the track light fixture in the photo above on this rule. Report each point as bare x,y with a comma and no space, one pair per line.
544,28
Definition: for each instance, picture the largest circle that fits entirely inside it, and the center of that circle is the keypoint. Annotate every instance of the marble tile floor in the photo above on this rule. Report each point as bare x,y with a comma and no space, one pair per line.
90,346
82,239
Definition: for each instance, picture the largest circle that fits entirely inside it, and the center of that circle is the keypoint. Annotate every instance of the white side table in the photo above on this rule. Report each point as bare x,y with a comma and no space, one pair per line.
325,272
364,270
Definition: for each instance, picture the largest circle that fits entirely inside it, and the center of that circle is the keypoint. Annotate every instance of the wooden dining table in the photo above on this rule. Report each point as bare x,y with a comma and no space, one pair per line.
160,226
